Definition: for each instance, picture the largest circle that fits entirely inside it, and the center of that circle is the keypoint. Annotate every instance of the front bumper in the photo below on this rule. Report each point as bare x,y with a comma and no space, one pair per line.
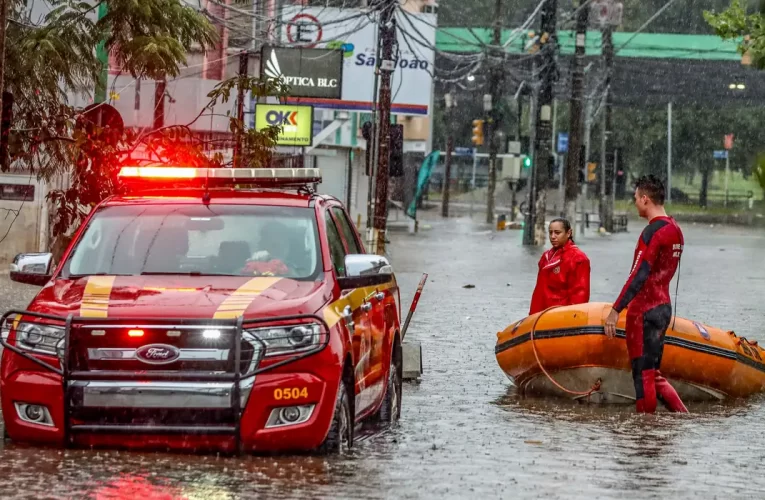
235,410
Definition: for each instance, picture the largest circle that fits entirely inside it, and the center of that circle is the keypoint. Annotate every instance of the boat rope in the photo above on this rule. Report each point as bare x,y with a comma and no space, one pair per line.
595,387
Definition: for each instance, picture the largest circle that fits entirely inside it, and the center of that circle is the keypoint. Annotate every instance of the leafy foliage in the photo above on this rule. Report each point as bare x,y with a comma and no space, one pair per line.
747,29
47,63
101,153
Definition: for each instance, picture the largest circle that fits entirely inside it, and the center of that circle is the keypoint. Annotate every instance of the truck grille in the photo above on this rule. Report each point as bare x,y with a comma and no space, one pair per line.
150,349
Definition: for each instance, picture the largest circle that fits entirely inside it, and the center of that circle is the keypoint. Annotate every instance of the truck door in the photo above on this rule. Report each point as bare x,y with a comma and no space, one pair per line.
362,333
375,375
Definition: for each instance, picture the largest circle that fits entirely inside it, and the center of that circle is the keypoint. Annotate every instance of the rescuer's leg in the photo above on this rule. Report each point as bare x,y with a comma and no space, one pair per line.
668,395
643,373
664,390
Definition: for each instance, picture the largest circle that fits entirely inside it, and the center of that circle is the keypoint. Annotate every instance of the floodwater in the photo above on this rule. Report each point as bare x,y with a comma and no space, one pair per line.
464,433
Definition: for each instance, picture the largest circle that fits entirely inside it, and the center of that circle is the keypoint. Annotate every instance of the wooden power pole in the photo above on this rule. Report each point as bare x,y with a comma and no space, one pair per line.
244,59
386,66
575,161
491,109
543,136
606,160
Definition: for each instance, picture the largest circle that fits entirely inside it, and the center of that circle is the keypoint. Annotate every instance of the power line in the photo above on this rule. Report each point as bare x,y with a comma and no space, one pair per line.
645,24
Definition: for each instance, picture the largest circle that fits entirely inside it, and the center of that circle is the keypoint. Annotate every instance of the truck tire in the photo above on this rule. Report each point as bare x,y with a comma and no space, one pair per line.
390,411
340,436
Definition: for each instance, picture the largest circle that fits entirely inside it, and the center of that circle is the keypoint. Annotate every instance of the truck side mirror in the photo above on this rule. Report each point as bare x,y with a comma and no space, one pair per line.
32,268
363,270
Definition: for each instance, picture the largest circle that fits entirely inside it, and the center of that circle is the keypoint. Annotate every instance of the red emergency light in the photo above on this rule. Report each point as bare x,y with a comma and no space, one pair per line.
161,176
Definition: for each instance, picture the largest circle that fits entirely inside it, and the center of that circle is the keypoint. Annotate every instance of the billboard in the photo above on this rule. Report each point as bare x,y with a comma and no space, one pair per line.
355,33
308,72
296,122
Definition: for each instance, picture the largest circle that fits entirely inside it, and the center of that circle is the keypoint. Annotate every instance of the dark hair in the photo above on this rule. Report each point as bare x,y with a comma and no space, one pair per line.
566,226
651,186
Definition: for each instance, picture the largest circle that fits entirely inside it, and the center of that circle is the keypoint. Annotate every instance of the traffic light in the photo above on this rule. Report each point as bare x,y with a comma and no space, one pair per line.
478,132
526,161
591,172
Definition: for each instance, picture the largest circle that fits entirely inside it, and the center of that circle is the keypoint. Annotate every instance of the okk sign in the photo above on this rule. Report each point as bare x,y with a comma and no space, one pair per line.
296,122
355,34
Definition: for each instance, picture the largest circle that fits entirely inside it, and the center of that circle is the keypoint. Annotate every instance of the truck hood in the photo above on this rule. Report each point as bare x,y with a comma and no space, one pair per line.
191,297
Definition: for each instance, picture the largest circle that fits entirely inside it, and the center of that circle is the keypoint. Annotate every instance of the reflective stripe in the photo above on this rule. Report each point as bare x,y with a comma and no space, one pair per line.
95,298
237,303
334,311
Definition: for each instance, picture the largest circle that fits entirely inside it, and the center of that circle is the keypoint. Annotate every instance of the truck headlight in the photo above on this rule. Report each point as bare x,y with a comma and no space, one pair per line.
288,339
40,338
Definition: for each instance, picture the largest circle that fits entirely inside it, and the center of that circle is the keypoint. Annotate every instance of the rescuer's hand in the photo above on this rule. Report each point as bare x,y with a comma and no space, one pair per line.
611,320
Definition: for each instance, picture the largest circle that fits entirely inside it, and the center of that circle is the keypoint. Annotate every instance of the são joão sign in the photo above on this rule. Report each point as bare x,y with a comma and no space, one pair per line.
296,122
308,72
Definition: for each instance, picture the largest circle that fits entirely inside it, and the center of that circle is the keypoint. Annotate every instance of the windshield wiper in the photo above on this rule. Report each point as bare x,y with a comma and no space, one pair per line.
78,276
177,273
180,273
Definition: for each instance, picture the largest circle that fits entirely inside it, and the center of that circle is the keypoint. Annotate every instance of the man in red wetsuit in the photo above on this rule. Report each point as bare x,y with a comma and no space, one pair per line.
657,257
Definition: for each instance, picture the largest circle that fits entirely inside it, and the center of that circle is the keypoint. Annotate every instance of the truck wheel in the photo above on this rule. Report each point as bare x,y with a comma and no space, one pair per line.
340,437
390,411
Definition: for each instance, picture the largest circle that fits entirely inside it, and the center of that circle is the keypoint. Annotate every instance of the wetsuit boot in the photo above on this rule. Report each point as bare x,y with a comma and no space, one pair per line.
668,395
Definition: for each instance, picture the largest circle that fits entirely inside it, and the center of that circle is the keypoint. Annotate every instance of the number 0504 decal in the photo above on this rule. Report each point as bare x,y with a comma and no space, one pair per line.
291,393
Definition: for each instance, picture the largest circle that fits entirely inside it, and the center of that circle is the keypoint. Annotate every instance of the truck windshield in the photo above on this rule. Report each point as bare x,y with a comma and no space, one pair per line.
239,240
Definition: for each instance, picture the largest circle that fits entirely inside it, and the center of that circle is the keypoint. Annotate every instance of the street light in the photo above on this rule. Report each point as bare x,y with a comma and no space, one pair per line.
470,78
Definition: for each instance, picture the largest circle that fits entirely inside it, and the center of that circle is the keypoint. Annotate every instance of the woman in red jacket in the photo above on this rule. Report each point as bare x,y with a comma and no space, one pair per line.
564,272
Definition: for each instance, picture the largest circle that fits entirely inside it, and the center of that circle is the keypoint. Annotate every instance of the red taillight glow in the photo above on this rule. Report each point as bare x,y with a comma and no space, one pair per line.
159,172
135,333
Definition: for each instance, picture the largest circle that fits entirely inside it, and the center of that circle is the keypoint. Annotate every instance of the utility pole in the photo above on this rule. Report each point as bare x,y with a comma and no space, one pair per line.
388,38
244,59
585,160
575,160
669,152
490,105
542,149
607,167
450,103
159,103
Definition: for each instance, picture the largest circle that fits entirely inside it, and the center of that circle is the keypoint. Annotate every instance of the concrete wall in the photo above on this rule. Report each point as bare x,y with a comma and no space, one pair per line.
20,220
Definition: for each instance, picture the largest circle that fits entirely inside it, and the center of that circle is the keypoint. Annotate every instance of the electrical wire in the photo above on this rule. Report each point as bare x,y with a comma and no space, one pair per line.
645,25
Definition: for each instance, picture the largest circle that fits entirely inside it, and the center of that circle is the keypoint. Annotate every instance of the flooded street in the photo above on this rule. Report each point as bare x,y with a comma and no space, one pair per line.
463,433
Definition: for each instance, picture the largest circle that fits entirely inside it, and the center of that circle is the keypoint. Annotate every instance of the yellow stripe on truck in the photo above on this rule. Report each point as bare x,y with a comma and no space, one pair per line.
95,298
334,311
238,302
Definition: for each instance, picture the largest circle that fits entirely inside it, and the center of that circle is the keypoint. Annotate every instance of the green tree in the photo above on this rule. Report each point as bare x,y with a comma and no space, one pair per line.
747,29
47,62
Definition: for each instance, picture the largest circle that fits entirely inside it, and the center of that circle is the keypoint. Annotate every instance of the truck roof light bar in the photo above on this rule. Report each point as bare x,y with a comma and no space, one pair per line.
267,176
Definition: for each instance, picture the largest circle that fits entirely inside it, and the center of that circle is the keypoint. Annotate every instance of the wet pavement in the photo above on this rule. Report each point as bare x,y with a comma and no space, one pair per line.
464,433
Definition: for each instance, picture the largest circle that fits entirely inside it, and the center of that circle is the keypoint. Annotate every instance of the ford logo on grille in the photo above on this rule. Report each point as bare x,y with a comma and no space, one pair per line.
157,354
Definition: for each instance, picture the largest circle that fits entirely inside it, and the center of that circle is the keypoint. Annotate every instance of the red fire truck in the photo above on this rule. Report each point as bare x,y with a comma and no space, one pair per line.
206,309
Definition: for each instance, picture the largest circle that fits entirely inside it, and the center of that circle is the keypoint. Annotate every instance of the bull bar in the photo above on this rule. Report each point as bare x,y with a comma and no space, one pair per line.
70,377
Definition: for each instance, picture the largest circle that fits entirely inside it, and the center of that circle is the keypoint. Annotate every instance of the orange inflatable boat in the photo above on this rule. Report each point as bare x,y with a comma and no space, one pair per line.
565,352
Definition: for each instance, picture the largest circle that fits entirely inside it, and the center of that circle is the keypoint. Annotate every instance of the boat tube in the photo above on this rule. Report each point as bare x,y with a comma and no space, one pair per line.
564,352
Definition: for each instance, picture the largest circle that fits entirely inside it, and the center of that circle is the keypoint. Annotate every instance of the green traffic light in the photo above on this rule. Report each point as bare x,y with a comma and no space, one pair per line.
527,162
